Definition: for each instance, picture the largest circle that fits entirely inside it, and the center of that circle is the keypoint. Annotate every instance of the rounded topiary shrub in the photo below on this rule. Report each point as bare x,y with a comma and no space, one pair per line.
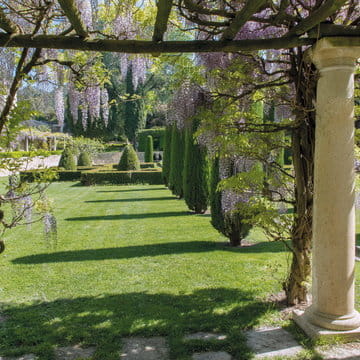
67,160
84,159
149,149
129,159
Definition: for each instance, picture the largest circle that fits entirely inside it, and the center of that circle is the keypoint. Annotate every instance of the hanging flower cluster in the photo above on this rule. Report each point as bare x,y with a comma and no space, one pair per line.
59,106
184,104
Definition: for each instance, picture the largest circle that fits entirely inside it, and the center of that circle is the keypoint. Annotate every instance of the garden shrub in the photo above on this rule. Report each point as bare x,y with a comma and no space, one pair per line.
149,149
67,160
129,159
84,159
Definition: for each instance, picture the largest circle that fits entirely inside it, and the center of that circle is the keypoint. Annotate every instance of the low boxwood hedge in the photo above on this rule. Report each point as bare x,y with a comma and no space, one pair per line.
121,177
62,175
147,165
19,154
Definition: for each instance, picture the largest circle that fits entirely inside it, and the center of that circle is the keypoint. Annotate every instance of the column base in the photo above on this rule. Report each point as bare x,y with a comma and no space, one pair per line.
316,332
333,322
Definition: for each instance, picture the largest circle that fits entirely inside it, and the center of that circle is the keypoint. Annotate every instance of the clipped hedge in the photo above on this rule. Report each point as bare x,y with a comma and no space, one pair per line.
121,177
33,153
148,165
62,175
158,134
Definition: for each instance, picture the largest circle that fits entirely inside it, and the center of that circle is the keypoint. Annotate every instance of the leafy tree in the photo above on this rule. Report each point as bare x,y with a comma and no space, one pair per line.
177,162
195,174
167,154
129,159
67,160
134,108
149,150
84,159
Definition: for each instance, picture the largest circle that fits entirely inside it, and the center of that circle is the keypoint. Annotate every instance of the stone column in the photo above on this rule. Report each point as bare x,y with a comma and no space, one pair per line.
334,211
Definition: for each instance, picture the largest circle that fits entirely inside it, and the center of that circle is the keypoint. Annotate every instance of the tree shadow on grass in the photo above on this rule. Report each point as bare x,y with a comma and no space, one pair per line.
132,199
130,252
131,216
135,189
103,320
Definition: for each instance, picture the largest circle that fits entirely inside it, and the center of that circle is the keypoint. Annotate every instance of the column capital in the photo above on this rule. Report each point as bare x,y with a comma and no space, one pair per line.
340,52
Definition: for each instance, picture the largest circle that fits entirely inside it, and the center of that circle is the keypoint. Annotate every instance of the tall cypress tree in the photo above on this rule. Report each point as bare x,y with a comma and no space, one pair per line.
177,162
195,174
217,217
167,154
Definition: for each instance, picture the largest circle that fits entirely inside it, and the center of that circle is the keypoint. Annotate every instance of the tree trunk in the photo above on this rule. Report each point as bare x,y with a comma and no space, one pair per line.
234,238
303,141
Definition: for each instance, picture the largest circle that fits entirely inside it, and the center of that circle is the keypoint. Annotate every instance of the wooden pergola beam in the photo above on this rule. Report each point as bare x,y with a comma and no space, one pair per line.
72,13
316,17
249,9
148,47
162,18
6,24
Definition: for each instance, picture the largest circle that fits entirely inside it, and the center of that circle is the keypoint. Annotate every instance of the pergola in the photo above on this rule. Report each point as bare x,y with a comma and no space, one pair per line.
334,50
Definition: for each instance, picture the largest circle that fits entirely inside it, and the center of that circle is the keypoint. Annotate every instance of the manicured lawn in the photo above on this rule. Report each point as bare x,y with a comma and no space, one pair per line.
131,260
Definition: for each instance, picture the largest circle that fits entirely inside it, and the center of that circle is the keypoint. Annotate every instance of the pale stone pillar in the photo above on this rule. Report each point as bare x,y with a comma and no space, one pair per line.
334,211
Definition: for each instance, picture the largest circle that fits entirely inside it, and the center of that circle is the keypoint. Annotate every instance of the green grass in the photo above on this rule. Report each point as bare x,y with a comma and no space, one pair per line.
131,260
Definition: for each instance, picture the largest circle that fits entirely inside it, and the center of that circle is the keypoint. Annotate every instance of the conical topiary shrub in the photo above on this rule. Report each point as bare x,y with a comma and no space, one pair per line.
67,160
84,159
129,159
149,149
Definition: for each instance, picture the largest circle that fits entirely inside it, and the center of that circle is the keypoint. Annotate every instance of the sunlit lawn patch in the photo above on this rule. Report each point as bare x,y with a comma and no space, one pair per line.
131,260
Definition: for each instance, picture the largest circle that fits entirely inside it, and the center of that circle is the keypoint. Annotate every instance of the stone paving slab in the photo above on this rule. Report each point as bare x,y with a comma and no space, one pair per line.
73,353
271,342
350,351
138,348
204,336
212,355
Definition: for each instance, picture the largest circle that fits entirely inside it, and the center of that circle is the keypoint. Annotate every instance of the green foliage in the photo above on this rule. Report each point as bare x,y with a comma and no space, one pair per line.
149,150
158,134
121,177
82,144
134,108
67,160
129,159
167,154
84,159
177,162
195,173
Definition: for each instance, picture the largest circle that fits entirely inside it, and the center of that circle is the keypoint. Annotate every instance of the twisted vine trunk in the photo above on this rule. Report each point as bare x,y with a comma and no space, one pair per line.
303,143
